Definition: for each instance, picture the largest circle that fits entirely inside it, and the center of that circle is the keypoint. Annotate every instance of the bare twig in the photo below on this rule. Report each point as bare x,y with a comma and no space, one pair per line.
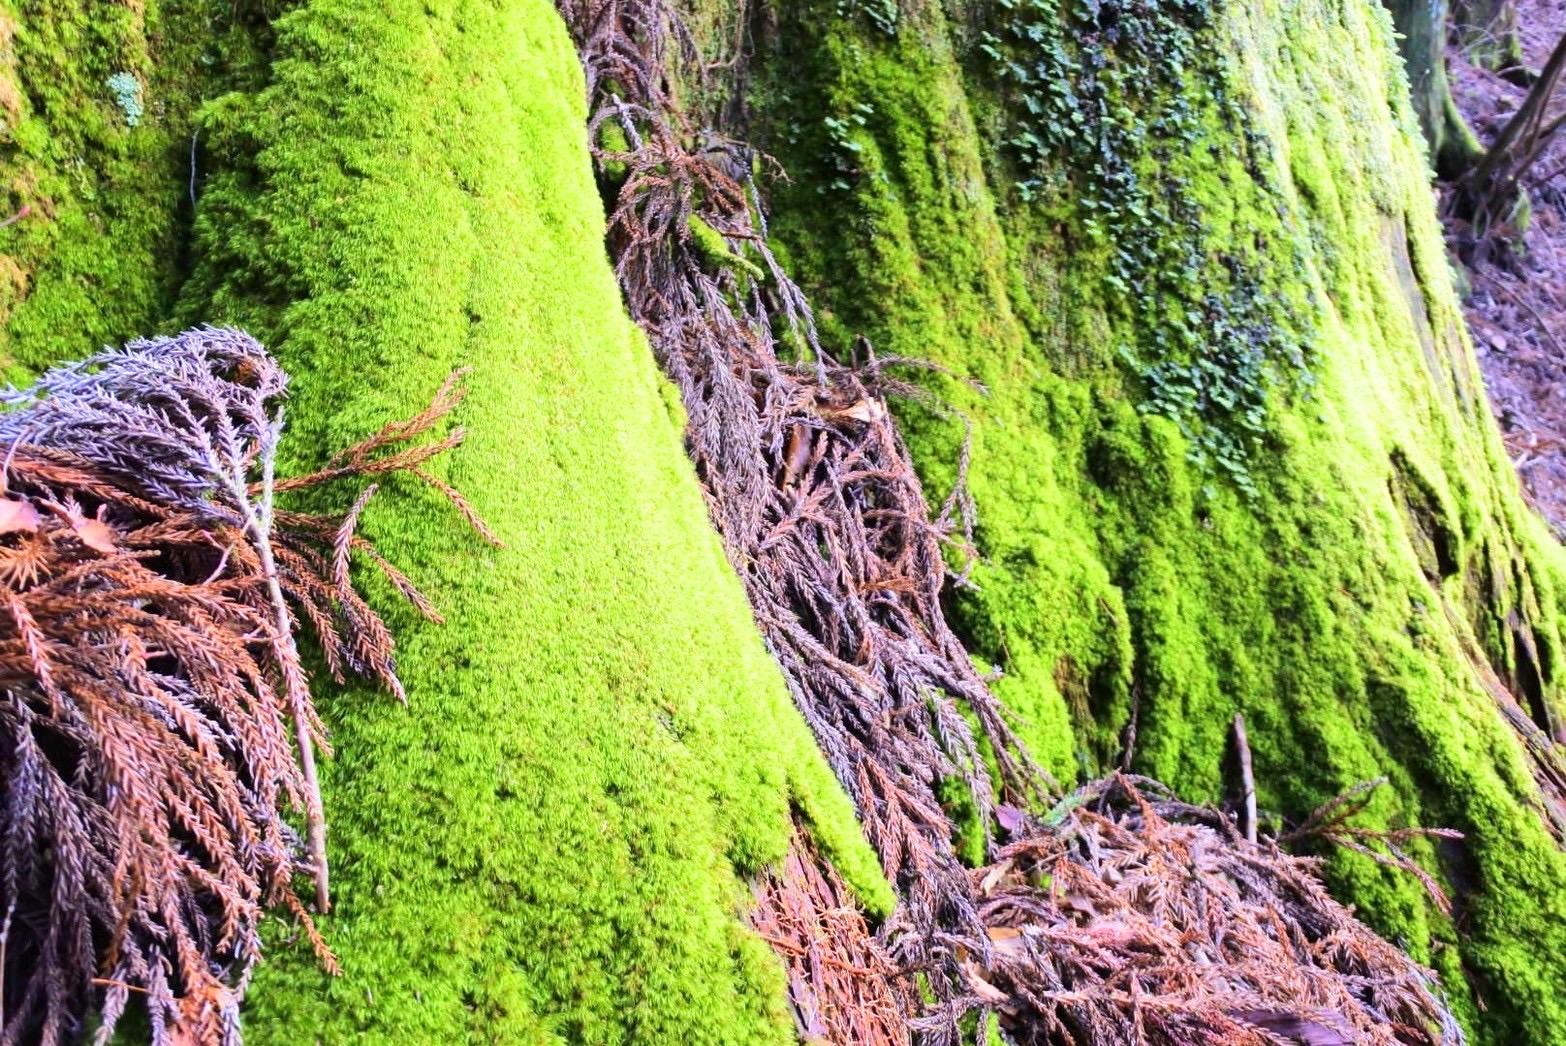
1247,778
1492,183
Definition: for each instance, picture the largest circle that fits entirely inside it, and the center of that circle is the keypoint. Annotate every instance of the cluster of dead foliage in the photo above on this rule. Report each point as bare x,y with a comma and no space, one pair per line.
1128,916
823,516
158,731
842,985
812,490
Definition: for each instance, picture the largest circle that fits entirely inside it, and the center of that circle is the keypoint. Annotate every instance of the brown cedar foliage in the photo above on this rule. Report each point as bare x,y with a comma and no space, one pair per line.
842,985
1127,916
155,719
824,518
812,491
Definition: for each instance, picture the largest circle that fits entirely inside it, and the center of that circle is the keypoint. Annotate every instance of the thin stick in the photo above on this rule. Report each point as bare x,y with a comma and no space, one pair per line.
5,934
1247,778
1497,171
106,982
1544,329
259,522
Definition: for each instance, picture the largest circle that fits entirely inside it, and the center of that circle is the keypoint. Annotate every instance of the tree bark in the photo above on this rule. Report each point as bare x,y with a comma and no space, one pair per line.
1422,29
1487,33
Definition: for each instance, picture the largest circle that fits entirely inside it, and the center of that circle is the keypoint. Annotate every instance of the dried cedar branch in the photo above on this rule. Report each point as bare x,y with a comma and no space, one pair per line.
842,986
157,722
813,492
1161,923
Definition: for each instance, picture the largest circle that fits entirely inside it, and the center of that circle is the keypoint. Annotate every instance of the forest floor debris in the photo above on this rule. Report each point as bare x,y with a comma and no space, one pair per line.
1129,911
842,985
1516,305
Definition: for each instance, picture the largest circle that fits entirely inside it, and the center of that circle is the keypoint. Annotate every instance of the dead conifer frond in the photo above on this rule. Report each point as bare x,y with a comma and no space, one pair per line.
1332,823
1131,917
811,488
156,723
825,520
842,986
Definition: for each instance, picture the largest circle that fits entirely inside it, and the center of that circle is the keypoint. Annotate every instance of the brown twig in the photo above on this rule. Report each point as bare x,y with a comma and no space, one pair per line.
1247,778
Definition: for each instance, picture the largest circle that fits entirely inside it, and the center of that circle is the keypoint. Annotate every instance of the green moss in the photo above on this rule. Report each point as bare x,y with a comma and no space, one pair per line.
551,841
1423,28
1337,603
715,251
99,256
551,837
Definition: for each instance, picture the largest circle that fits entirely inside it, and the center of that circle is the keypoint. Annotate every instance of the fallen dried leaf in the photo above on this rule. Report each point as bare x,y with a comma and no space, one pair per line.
95,534
983,989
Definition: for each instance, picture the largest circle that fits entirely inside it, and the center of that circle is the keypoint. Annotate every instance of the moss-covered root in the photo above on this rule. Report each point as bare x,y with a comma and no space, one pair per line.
548,842
1210,169
1422,27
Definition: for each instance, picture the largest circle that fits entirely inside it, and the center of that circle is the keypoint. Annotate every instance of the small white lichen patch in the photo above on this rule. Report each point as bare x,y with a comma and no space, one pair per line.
127,95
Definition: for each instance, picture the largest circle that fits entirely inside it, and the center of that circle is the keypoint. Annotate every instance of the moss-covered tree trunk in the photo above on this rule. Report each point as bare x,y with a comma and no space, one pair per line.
549,842
1422,27
1234,456
1234,453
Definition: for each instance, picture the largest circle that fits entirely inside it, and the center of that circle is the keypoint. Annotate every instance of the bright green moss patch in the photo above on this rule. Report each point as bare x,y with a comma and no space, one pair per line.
1127,577
549,841
98,257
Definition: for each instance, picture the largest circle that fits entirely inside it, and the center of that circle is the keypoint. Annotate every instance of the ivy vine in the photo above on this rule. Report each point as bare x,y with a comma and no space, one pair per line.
1104,99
